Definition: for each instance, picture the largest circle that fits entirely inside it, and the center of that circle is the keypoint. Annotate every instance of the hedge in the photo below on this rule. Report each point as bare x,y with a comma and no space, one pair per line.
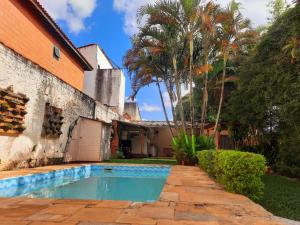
239,172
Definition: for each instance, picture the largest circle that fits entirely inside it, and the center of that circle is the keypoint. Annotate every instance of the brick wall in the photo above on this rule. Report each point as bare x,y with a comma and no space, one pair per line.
25,34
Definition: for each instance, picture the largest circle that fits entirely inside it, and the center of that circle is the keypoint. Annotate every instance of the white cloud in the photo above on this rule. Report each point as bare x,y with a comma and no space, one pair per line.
167,100
150,108
256,10
73,12
130,8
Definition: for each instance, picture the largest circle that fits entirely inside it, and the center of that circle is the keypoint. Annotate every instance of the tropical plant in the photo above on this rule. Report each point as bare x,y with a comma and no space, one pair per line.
182,19
145,67
184,147
204,142
233,32
164,39
208,15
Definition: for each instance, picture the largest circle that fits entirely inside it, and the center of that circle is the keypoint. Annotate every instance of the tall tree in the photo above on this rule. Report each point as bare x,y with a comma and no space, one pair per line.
267,104
208,23
145,68
276,8
233,28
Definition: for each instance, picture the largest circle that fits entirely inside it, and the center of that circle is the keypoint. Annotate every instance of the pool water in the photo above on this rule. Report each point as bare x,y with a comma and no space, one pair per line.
141,184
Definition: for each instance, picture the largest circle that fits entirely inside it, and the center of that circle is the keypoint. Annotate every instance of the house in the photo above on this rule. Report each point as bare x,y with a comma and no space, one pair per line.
142,138
62,103
43,107
138,138
106,82
28,29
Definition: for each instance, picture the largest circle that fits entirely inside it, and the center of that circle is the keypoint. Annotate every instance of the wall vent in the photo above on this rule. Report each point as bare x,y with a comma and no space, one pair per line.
56,52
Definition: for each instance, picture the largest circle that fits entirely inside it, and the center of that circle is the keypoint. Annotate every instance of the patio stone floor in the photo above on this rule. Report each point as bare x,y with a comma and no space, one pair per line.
189,197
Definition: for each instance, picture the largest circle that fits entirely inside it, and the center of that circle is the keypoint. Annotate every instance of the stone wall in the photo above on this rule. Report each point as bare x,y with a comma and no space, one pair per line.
41,87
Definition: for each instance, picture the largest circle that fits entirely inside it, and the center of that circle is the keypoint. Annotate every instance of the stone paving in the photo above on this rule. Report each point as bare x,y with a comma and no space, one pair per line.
189,197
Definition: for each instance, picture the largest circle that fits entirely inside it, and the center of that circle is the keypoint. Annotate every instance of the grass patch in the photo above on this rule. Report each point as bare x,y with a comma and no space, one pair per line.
282,196
164,161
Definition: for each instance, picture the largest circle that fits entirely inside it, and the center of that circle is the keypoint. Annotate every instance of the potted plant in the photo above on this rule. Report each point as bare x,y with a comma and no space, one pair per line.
23,113
7,126
4,106
15,122
20,128
25,99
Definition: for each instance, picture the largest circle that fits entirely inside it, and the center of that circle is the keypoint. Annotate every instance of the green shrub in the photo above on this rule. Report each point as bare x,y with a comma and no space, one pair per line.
206,159
205,142
239,172
119,155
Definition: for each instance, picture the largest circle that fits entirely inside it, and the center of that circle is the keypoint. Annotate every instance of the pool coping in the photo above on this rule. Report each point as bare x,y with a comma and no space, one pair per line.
7,174
188,197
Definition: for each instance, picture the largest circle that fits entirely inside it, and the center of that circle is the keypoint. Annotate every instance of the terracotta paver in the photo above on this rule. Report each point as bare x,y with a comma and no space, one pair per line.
111,204
106,215
189,197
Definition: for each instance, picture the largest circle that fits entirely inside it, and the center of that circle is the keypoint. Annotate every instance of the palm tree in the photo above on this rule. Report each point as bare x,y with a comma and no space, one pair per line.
144,69
182,16
189,27
162,27
232,32
208,14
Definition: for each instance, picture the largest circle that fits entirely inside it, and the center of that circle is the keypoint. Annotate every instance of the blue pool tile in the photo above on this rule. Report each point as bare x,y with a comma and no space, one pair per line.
143,183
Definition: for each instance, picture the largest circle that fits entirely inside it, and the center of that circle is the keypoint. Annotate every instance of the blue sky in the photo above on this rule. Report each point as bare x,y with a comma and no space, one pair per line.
105,26
110,23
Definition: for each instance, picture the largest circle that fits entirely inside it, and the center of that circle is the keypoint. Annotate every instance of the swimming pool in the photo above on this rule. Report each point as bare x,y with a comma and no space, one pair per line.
131,183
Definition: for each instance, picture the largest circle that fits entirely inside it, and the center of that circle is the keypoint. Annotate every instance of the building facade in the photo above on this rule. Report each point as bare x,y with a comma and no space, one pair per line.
41,84
26,28
106,82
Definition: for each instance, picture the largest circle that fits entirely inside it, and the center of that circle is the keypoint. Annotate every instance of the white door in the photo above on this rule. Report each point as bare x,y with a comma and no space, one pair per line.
85,145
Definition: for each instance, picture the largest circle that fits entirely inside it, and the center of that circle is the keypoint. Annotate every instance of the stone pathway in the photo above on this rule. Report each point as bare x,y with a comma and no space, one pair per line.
189,197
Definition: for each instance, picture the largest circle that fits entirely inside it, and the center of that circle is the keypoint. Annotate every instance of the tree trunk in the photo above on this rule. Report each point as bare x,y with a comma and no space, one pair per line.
178,93
181,109
221,97
204,98
191,96
164,107
170,93
204,105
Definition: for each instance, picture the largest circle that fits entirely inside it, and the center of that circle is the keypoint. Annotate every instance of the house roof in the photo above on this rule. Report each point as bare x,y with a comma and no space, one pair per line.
158,124
50,24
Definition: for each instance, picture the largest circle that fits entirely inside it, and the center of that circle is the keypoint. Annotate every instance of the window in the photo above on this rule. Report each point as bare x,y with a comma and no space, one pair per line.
56,52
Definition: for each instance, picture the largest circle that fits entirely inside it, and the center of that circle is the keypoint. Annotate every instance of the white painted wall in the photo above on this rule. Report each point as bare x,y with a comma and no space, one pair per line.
122,94
102,60
98,59
132,108
41,87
